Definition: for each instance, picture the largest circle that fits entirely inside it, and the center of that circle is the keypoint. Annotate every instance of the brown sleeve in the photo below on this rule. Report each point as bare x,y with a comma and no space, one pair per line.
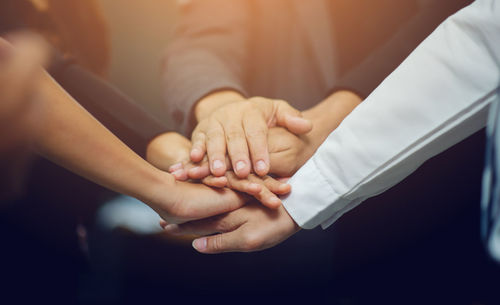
208,53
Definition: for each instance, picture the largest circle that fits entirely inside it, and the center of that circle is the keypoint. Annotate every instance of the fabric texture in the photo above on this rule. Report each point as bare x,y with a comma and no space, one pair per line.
298,51
437,97
490,204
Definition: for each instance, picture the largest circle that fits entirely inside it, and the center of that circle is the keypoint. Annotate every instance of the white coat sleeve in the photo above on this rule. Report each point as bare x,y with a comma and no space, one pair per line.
437,97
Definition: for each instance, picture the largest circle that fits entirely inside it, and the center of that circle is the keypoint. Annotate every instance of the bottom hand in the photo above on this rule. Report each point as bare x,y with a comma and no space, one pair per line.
250,228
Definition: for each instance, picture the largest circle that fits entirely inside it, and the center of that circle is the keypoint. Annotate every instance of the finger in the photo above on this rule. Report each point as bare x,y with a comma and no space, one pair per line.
202,170
266,197
199,171
163,223
180,174
276,186
175,167
291,118
198,148
216,149
215,181
226,242
237,148
242,185
216,224
256,134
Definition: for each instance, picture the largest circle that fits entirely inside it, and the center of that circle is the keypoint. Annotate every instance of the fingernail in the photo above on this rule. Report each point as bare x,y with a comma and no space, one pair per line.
275,201
284,187
178,174
200,244
217,164
175,167
260,166
297,119
172,229
240,165
195,151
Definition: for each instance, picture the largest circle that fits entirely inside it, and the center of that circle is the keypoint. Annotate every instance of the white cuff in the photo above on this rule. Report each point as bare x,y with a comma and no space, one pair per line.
310,202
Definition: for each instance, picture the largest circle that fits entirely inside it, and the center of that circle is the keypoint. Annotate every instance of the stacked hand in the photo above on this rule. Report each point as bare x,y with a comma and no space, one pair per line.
250,228
270,133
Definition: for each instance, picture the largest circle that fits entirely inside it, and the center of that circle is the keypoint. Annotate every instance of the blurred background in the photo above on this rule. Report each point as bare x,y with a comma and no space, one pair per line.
53,250
139,32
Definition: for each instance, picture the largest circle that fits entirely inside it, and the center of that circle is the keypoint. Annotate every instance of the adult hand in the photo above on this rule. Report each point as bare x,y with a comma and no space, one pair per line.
251,228
170,151
287,151
178,202
242,127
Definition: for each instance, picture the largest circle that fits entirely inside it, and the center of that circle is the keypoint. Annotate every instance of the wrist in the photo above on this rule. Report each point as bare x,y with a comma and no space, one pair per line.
152,190
327,115
208,104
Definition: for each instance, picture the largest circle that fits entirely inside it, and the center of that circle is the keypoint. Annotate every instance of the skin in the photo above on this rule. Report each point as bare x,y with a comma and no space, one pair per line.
19,69
253,227
263,189
287,151
67,134
239,127
19,72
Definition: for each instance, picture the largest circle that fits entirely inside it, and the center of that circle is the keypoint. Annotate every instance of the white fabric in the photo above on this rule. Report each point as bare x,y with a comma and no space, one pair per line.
437,97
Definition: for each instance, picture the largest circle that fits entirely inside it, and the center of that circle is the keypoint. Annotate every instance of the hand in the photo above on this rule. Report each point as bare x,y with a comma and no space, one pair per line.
251,228
264,189
170,151
242,126
287,151
178,202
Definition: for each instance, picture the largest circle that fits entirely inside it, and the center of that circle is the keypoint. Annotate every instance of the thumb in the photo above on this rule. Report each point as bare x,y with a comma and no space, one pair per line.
291,118
219,243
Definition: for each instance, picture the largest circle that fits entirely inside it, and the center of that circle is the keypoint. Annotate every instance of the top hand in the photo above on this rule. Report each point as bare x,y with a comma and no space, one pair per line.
242,126
287,151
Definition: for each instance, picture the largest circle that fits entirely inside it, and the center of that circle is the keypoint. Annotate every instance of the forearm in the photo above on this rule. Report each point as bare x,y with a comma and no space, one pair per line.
71,137
328,114
124,117
412,116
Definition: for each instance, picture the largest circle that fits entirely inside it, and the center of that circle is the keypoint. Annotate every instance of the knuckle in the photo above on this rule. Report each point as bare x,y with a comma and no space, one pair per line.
256,133
217,243
233,135
222,225
258,101
251,241
214,133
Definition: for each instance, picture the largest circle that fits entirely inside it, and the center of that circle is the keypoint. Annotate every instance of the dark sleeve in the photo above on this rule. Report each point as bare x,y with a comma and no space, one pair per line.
207,54
117,112
367,75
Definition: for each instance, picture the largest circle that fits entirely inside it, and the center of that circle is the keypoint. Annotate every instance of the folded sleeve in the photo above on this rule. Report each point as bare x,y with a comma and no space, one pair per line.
437,97
207,54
